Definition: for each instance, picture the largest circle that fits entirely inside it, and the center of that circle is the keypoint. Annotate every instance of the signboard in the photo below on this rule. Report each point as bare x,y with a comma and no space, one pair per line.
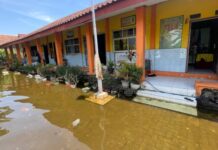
123,57
128,21
171,32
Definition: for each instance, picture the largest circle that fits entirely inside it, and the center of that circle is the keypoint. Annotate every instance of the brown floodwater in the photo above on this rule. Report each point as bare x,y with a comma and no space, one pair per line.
40,116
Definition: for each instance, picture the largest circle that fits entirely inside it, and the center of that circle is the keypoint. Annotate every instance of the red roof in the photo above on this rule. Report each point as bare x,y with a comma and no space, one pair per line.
7,38
77,18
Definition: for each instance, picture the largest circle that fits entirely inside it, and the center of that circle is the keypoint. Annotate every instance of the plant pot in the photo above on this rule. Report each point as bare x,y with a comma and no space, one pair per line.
110,70
134,86
128,93
61,81
67,83
125,84
73,86
48,78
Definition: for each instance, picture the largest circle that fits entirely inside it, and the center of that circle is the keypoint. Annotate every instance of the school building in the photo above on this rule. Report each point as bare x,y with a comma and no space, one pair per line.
166,37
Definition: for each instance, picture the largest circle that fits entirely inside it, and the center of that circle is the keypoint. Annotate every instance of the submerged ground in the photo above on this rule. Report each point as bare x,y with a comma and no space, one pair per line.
40,116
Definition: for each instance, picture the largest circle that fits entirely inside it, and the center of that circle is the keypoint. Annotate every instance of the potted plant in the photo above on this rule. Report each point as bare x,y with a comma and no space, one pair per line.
135,74
124,74
110,67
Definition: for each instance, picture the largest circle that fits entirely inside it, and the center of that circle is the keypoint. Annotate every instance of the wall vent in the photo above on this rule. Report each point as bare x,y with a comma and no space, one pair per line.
195,16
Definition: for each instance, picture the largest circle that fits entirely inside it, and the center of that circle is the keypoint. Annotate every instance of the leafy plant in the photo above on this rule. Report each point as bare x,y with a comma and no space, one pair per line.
28,69
15,65
47,71
135,73
61,71
124,71
111,67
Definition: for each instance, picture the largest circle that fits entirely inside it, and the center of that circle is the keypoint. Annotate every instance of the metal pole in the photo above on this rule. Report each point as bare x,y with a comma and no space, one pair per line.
100,86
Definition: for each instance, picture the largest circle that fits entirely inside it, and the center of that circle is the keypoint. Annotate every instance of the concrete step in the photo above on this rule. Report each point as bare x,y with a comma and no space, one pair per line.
167,105
168,97
169,89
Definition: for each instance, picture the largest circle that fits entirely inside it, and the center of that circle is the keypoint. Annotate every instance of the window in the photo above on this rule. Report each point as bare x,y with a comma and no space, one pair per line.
125,39
72,46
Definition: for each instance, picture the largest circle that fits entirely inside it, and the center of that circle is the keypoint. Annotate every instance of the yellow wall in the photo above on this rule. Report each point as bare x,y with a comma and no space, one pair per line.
174,8
115,24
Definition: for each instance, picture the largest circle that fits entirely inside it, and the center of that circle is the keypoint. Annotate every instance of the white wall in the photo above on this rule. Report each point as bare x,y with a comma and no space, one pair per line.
76,59
172,60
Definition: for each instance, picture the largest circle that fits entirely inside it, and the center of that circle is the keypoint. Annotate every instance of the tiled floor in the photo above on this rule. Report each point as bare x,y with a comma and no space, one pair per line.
183,86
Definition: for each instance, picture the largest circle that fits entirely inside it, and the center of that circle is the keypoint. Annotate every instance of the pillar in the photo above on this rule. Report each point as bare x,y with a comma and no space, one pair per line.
28,53
90,47
140,38
59,47
40,51
107,35
18,54
7,55
11,53
153,27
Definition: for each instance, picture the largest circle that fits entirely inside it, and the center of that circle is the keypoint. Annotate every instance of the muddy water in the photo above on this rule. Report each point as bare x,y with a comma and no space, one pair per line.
41,117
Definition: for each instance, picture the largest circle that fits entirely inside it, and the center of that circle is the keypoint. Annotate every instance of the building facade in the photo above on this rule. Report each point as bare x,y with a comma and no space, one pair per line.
168,37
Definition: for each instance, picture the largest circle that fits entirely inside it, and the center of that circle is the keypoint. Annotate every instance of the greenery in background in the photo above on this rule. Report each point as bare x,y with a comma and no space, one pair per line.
2,57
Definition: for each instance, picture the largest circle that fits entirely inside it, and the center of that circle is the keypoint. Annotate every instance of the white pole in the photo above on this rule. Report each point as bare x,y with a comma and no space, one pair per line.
100,86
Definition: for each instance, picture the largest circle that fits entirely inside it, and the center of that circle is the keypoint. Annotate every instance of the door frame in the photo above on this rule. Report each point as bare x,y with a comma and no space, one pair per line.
189,35
99,34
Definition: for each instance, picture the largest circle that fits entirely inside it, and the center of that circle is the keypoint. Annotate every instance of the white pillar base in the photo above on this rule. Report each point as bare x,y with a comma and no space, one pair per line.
101,95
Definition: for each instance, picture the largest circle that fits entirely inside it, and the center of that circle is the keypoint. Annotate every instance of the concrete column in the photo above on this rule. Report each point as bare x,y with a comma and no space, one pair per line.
40,51
90,47
107,35
59,47
140,38
18,54
28,53
7,55
153,27
11,53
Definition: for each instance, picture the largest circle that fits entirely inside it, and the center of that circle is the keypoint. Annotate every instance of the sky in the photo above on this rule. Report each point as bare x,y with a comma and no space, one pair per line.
25,16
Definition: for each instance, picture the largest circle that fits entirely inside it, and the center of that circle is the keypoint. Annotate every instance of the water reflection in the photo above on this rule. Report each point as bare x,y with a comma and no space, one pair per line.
3,112
117,125
28,129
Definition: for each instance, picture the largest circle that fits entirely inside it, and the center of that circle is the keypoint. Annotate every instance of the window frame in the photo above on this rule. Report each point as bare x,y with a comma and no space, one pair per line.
73,45
123,37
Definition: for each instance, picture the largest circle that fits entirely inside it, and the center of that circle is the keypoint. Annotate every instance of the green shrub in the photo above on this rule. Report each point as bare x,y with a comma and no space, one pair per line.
124,71
130,72
135,73
47,71
28,69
